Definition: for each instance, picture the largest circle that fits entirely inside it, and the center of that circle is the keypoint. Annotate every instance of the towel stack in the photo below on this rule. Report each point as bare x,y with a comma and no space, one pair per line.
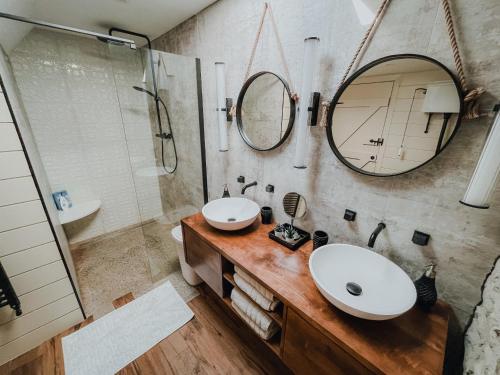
251,301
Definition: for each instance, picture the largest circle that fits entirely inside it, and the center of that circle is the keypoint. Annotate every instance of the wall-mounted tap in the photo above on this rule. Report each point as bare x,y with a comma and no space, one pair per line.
247,186
374,235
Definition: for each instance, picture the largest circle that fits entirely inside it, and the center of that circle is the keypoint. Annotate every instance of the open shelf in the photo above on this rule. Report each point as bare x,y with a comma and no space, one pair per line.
273,343
274,315
79,211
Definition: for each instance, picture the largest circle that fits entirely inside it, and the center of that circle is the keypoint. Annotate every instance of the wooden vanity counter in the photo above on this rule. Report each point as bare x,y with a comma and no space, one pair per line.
413,343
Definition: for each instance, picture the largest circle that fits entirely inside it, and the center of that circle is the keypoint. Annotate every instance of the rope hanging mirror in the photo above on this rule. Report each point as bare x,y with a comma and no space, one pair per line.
265,109
398,112
471,110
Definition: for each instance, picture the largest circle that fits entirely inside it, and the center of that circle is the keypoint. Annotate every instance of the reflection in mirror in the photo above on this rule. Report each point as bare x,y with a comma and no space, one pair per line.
265,111
394,115
294,205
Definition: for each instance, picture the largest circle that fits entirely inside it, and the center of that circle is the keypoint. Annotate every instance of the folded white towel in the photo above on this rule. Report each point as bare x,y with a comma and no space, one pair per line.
266,335
257,318
254,294
261,289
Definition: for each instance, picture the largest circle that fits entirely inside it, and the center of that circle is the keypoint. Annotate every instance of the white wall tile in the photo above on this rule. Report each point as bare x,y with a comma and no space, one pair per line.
27,260
9,141
38,277
25,237
21,214
4,110
13,164
17,190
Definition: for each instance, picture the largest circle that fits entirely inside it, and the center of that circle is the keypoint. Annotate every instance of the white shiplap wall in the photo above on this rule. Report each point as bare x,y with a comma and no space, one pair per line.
29,254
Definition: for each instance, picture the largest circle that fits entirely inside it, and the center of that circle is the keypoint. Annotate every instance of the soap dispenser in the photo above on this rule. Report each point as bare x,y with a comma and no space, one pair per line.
226,194
426,287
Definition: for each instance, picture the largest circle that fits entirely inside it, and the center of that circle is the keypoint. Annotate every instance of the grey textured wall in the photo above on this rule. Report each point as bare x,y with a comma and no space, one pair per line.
464,241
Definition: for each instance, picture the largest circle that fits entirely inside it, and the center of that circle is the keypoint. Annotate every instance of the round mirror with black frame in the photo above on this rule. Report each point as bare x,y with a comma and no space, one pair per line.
394,115
265,111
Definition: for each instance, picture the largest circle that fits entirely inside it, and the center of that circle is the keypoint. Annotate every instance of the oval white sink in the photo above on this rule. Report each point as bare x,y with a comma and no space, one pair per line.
342,271
230,213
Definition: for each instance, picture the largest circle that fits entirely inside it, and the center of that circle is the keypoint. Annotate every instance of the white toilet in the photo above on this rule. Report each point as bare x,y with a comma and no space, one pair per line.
187,272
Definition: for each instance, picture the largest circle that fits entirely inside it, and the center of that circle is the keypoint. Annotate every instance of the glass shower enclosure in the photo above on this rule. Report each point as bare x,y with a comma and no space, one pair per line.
105,137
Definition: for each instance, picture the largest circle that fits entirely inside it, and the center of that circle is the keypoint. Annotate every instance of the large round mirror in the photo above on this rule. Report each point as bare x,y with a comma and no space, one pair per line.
265,111
394,115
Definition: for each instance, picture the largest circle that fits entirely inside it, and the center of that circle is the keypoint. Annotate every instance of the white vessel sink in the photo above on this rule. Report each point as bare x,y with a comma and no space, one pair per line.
341,271
230,213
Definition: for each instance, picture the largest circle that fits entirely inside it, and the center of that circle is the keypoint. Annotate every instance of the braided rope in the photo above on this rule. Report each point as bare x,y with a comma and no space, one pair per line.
368,35
256,41
471,96
267,8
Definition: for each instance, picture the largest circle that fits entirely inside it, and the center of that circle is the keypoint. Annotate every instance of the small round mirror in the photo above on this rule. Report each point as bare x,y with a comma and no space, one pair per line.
265,111
394,115
294,205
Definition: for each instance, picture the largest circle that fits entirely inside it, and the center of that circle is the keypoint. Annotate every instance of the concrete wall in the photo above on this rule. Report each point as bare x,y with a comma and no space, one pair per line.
464,241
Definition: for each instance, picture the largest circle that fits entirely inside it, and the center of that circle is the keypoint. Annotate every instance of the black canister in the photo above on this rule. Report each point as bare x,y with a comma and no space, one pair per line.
320,238
267,215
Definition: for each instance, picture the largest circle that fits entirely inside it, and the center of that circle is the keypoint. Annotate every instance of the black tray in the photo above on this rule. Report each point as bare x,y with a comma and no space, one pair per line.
304,237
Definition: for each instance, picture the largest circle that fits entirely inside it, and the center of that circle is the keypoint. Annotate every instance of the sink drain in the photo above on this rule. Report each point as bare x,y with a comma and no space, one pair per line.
353,288
230,219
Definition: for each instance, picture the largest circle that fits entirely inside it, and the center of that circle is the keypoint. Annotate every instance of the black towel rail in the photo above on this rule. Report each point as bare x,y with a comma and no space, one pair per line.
8,295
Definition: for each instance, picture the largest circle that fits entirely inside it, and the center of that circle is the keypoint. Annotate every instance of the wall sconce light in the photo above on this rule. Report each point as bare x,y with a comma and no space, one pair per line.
485,176
223,106
310,56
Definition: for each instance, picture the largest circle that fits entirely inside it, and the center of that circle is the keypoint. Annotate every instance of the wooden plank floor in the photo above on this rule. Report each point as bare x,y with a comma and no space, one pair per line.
214,342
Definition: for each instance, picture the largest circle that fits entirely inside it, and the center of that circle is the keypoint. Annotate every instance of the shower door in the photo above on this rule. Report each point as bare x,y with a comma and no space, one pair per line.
164,143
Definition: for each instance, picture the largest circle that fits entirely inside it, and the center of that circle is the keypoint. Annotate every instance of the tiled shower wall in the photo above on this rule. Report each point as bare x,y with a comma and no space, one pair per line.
92,129
464,241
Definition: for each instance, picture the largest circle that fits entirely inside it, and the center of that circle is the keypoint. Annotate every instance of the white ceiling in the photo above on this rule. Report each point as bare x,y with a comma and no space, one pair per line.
151,17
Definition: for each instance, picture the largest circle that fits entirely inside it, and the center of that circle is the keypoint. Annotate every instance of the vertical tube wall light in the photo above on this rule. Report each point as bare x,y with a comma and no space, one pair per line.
220,84
310,56
483,181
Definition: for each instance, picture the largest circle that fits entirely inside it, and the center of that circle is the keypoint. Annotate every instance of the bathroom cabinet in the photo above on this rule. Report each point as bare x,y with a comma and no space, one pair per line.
315,337
204,259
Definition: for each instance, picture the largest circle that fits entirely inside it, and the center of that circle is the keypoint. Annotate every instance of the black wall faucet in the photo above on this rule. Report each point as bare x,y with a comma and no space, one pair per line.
374,235
247,186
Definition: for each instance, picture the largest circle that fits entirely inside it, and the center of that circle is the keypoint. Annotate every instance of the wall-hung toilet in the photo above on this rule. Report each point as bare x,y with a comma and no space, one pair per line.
187,272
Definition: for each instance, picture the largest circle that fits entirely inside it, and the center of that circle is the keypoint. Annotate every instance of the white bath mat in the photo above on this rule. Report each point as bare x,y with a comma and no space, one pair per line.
116,339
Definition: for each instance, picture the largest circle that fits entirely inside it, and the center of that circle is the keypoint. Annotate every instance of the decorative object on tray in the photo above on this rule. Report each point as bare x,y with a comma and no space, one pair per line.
289,236
62,200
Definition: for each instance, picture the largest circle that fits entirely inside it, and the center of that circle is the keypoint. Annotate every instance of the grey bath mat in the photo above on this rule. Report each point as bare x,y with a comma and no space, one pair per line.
116,339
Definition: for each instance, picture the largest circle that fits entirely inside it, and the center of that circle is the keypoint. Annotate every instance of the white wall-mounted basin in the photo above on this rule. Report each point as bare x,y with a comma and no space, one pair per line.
361,282
230,213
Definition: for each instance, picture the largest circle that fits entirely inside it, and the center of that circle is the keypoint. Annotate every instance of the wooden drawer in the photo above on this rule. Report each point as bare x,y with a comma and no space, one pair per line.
206,261
308,351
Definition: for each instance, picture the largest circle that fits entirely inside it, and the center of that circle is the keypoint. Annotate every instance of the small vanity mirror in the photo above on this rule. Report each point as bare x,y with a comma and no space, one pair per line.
265,111
394,115
294,205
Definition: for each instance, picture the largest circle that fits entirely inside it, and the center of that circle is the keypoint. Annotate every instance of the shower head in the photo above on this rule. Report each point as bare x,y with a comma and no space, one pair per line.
144,91
115,42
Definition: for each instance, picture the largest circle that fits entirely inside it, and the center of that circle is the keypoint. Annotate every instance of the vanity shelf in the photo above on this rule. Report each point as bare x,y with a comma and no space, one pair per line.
315,337
274,315
273,343
79,211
